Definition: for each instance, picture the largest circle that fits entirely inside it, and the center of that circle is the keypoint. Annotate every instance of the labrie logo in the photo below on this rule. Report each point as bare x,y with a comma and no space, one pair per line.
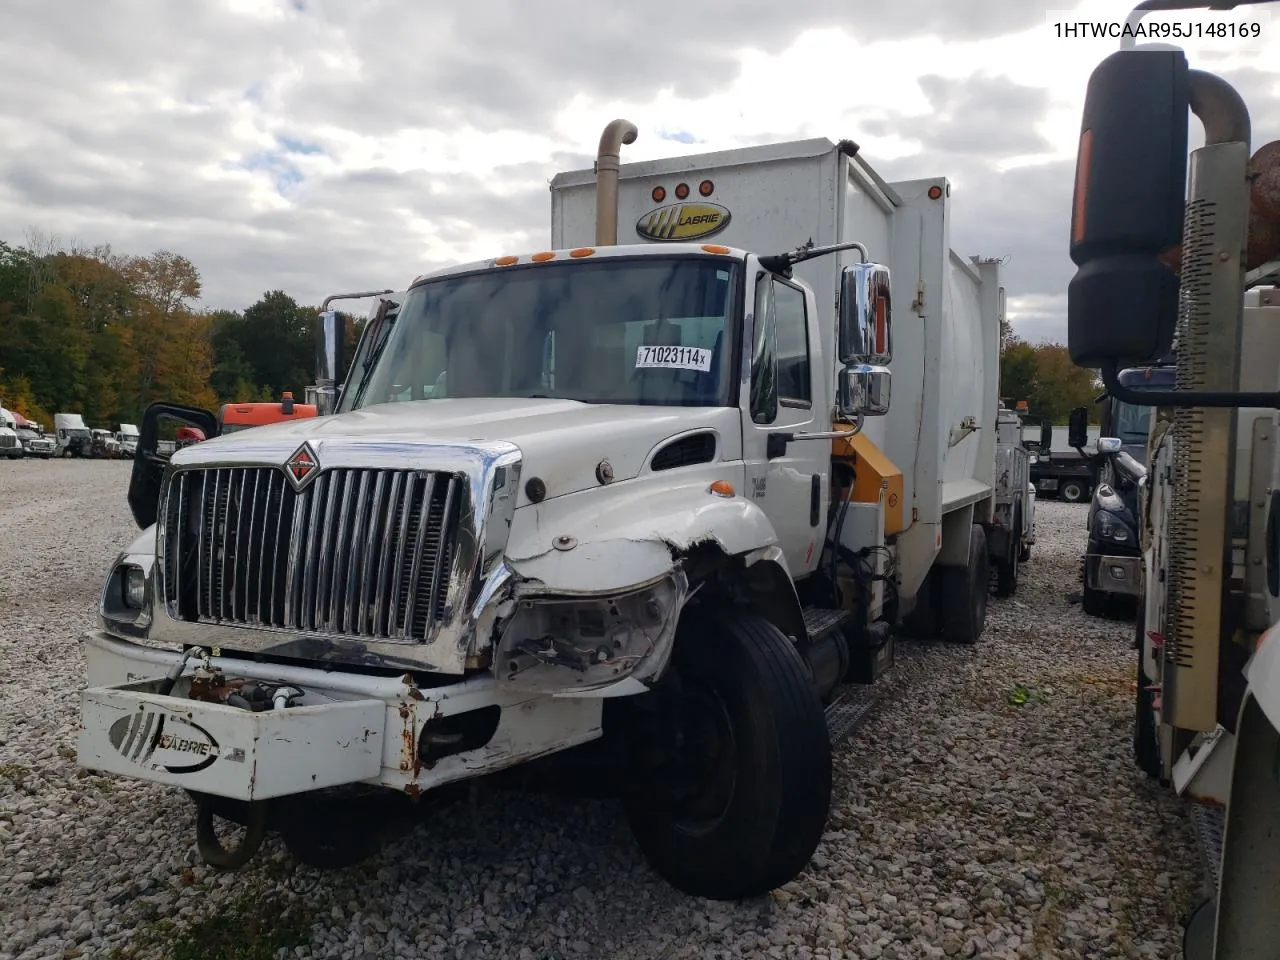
683,221
150,737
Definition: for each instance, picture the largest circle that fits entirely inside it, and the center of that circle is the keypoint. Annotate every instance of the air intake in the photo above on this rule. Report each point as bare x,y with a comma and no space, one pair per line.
696,448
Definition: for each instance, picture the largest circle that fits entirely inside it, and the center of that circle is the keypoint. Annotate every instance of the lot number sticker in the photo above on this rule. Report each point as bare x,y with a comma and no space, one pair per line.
673,358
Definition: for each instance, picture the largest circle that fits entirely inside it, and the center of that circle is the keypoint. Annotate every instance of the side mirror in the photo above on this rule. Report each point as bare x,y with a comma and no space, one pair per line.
158,432
764,355
866,315
1109,445
331,338
1078,428
1046,438
863,391
1130,193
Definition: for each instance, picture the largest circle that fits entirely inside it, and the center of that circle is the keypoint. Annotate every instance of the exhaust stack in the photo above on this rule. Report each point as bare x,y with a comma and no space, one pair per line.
608,162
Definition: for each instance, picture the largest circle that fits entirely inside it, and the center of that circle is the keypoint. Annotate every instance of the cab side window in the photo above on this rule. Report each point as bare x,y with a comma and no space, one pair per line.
794,385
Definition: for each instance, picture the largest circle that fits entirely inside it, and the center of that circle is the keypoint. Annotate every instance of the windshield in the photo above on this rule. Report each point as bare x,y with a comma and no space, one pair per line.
28,434
1132,423
644,330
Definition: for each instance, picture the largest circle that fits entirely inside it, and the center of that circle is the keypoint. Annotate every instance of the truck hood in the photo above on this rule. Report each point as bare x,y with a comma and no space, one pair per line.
561,441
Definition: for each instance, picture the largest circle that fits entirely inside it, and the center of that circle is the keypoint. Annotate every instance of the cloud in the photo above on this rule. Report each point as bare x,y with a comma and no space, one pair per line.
319,145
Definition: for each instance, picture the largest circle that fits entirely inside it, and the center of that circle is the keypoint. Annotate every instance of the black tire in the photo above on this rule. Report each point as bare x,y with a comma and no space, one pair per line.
1198,930
1095,603
1024,552
1073,491
763,802
964,592
923,622
1007,568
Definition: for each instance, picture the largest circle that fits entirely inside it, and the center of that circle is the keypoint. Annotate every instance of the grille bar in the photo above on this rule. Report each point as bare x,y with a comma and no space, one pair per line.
358,553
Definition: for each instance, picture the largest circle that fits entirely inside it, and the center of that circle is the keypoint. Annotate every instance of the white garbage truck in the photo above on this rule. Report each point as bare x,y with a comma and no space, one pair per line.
1182,258
653,494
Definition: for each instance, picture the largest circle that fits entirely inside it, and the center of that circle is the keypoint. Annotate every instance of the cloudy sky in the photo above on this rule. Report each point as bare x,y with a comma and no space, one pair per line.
324,145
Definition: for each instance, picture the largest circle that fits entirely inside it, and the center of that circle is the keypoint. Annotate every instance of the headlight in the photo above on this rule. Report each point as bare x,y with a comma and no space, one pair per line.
1034,459
134,588
554,644
1111,528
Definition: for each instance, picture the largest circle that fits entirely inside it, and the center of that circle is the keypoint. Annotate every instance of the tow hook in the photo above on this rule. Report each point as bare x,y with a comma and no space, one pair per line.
210,847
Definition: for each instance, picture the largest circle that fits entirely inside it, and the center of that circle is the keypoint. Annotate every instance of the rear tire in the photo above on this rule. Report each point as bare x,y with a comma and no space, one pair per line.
964,592
1073,491
739,801
1007,568
922,623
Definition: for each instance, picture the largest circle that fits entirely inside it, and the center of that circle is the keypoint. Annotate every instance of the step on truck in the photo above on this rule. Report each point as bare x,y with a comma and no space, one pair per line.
1183,256
654,495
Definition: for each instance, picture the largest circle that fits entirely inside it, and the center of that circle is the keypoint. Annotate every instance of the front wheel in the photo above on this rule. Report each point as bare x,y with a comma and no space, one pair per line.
1072,491
738,800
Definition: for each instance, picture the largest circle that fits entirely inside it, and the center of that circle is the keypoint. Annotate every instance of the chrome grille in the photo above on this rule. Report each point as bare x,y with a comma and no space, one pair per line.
357,553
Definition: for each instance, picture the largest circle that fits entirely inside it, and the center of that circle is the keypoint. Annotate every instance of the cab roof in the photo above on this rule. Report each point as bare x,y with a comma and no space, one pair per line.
585,254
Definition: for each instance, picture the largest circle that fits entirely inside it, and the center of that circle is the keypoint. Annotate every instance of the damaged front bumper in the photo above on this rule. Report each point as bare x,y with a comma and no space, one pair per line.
1121,575
332,728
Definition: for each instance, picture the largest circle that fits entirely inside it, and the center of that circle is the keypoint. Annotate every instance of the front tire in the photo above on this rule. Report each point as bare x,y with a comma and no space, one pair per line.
1073,491
739,801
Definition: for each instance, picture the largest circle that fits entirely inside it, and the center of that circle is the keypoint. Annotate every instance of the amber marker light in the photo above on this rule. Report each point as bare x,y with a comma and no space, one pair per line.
721,488
505,261
543,256
582,252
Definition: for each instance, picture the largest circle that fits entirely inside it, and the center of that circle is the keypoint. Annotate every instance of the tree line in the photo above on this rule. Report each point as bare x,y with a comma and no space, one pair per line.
1043,375
90,331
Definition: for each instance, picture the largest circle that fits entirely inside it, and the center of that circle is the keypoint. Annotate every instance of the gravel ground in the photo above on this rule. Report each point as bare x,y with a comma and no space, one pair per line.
965,823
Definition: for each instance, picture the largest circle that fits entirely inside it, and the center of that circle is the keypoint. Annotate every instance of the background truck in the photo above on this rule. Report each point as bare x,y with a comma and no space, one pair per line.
103,444
127,438
650,496
1013,530
71,437
1164,260
1067,474
10,443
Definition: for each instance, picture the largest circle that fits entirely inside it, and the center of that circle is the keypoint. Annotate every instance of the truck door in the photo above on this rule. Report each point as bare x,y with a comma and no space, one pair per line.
790,486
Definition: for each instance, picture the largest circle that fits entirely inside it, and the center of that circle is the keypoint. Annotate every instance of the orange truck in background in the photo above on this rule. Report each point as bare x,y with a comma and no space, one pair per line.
241,416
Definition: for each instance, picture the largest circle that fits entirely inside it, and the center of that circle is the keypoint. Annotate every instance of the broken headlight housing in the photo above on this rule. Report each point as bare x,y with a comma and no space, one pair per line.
125,605
554,644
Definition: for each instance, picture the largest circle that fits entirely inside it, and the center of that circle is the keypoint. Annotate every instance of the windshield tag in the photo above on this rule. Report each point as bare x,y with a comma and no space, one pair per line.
673,358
